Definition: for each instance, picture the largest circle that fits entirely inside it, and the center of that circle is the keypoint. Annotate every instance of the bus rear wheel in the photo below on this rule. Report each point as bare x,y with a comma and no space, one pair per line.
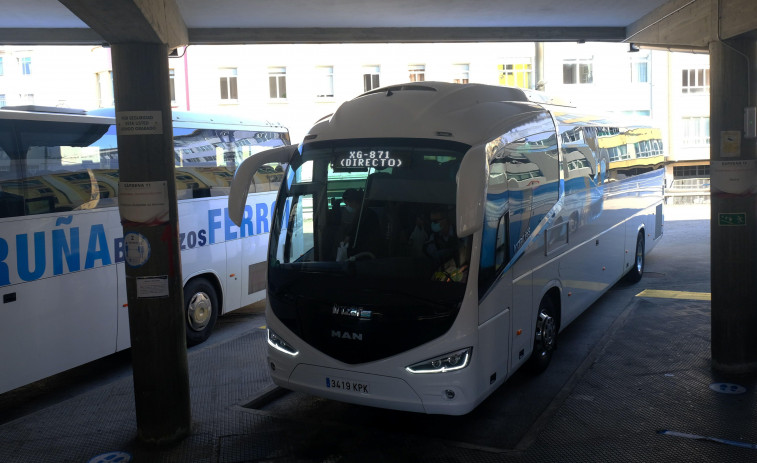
545,337
201,309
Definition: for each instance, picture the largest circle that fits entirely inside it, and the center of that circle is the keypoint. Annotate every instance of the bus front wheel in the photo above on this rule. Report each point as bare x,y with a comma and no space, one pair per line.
545,337
201,309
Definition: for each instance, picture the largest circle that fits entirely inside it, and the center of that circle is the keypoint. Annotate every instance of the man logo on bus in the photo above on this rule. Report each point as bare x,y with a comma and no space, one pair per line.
347,335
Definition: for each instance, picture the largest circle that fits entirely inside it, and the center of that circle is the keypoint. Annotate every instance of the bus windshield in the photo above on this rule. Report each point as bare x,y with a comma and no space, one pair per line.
370,222
374,200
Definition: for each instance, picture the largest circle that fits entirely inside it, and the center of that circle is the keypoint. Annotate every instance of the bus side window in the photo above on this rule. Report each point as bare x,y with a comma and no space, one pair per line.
501,254
627,152
495,253
11,204
495,235
267,178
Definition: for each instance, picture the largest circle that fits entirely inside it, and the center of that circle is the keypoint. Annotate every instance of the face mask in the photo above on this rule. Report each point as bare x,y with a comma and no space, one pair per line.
436,227
350,209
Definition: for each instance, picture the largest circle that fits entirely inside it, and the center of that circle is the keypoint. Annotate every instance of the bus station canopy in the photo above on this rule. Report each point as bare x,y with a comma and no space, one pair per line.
666,23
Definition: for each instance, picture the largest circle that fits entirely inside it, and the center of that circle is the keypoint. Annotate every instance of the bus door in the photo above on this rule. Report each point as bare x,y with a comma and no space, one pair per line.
495,274
518,275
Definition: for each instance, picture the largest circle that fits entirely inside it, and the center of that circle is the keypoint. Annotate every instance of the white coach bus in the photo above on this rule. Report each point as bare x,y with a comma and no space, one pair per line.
429,239
62,276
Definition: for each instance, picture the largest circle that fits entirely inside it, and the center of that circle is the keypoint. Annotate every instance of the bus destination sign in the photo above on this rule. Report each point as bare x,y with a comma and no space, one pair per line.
357,159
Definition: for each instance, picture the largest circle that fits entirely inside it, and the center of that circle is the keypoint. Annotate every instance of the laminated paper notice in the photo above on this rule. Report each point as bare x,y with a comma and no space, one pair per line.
139,122
143,203
152,287
734,177
730,144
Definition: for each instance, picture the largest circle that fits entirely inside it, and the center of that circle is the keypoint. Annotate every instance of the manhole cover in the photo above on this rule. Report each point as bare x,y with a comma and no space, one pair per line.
727,388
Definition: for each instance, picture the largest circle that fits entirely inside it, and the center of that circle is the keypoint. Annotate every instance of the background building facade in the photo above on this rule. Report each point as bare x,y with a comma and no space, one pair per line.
298,84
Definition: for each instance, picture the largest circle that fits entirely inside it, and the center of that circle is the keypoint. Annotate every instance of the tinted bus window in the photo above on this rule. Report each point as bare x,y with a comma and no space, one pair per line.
66,166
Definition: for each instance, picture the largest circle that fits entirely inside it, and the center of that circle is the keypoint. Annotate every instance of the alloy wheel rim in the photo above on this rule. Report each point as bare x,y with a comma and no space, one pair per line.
199,311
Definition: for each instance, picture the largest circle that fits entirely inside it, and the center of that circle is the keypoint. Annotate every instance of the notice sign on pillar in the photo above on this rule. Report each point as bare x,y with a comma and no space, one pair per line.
149,287
735,177
730,144
139,122
143,203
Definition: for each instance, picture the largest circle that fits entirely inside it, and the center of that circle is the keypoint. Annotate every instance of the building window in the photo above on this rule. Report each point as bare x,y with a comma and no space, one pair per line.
370,77
618,153
648,148
26,65
636,113
228,82
277,82
516,74
172,85
26,98
700,171
696,131
607,131
639,69
324,81
578,71
695,80
3,101
105,89
2,72
417,72
461,73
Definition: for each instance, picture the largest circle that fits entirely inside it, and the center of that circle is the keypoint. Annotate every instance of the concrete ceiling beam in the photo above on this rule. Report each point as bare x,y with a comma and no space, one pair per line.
133,21
682,24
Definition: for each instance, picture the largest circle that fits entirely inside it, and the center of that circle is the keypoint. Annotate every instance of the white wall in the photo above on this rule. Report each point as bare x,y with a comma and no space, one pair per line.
61,76
686,105
66,76
301,108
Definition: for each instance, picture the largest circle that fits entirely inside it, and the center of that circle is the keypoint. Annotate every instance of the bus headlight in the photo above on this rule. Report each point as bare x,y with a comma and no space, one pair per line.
275,341
448,362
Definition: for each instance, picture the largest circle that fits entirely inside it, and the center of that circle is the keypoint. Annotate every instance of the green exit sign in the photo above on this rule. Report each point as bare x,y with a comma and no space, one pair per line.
732,219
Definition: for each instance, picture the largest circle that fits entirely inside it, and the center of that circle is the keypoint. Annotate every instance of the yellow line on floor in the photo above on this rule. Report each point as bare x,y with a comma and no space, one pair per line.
674,294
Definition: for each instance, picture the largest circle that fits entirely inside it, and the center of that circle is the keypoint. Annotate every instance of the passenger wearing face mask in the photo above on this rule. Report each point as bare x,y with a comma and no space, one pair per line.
442,243
446,249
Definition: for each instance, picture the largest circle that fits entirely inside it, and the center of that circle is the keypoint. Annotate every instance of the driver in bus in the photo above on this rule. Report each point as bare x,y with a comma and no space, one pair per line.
359,227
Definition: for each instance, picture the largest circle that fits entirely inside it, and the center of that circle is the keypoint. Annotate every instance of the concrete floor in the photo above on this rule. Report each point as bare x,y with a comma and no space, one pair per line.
630,382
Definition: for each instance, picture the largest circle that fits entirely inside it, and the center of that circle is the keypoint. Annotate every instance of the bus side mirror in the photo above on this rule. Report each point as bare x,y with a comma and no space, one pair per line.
472,177
240,185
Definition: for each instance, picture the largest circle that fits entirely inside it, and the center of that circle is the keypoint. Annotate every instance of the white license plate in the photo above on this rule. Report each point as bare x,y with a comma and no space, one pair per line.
348,385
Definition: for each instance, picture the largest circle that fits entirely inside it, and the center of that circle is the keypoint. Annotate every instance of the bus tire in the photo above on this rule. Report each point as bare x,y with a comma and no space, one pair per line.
637,270
200,309
545,337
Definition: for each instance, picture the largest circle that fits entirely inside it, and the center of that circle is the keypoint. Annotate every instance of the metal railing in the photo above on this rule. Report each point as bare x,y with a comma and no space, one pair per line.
688,190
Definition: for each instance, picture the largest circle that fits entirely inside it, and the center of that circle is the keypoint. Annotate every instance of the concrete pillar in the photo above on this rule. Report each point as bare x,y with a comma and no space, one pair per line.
734,208
539,83
153,277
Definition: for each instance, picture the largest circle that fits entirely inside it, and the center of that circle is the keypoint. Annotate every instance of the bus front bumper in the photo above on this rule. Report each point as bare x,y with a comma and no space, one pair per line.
432,394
